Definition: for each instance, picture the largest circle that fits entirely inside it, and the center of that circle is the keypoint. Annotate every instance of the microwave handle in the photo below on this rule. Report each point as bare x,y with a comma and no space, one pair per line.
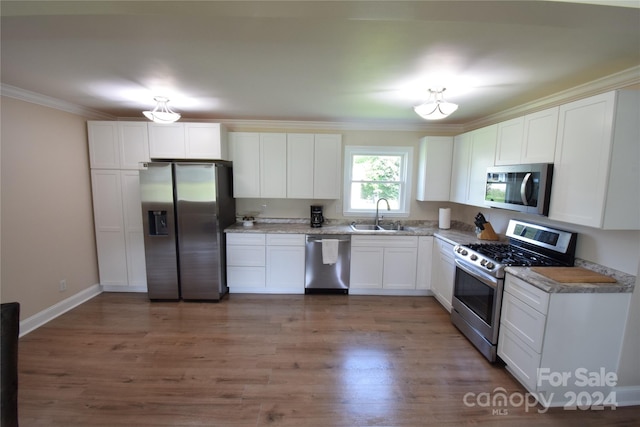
523,189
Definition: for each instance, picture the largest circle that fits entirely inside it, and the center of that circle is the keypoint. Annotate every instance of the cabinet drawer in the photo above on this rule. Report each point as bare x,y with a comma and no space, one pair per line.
285,239
246,277
529,294
444,247
245,239
521,360
245,256
527,323
385,241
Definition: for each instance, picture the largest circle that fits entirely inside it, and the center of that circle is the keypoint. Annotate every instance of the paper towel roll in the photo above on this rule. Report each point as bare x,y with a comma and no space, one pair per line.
444,218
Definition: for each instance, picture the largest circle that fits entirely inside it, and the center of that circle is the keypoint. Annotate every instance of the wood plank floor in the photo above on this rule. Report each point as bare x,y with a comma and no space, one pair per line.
266,360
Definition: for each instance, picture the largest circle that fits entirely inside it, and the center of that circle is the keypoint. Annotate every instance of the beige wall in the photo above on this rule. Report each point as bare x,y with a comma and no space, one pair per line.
47,219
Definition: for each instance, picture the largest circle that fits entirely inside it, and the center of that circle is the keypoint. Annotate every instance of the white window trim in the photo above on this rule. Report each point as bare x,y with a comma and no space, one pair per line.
405,199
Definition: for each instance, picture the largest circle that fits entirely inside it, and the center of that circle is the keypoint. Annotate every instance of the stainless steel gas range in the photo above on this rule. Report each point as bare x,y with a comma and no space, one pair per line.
479,279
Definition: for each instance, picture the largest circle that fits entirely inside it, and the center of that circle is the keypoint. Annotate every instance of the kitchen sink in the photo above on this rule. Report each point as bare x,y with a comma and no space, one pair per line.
373,227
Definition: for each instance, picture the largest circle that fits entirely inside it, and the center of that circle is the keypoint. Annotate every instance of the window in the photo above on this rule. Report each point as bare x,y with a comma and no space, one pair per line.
372,173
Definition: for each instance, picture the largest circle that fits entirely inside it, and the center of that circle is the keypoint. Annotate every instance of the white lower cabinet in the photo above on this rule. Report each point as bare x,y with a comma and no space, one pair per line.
246,261
265,263
286,262
552,342
386,264
443,272
425,262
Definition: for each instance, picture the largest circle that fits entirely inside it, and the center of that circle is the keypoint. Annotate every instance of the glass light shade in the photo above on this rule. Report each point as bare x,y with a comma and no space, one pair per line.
162,113
435,110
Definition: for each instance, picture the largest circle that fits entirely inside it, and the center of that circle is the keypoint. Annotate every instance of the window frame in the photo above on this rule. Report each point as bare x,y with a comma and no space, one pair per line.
406,163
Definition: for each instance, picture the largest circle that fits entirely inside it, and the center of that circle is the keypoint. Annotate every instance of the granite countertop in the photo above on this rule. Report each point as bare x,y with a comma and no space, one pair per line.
625,282
461,234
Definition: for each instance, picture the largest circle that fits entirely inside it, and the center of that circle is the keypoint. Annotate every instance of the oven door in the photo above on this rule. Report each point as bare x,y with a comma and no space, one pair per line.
477,297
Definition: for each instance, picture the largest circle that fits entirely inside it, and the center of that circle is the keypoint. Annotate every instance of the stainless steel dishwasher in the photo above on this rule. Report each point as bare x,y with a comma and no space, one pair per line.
321,277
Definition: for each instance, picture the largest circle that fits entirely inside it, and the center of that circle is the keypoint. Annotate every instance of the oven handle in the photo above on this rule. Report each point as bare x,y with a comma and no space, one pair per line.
483,277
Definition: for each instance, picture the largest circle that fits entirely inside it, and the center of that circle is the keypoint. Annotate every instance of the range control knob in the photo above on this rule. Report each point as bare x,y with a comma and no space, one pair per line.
474,257
490,266
483,262
464,252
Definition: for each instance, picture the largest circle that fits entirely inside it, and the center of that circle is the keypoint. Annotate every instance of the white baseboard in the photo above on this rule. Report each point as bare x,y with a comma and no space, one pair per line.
628,396
32,323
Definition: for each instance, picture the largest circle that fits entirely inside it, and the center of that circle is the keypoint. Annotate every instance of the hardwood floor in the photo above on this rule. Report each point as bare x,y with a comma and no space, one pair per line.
267,360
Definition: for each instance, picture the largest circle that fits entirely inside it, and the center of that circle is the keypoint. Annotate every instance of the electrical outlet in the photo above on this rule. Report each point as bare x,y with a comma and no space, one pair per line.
63,285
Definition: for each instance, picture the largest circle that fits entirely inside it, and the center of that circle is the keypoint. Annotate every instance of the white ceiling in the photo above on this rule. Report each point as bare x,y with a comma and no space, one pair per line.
336,61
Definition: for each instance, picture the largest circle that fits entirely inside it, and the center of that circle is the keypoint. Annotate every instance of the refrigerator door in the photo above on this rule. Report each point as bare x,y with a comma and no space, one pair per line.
156,192
198,231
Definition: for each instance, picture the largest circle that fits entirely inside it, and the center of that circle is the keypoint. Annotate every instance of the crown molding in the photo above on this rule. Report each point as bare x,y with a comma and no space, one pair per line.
340,126
625,78
47,101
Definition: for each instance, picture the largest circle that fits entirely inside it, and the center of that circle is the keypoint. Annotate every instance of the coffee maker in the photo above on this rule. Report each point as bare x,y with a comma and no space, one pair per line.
316,216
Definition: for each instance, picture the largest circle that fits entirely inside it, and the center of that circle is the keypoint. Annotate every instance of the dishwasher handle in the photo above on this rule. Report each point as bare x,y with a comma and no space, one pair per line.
314,239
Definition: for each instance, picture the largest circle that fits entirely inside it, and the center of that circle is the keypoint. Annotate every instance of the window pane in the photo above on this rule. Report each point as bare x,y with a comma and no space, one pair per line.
365,195
376,168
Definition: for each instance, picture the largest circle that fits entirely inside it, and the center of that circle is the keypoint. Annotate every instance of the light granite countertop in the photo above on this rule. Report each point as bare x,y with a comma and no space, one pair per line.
460,233
625,282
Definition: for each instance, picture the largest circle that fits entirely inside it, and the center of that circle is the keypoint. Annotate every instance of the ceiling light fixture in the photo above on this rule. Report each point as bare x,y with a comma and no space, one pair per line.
162,113
436,107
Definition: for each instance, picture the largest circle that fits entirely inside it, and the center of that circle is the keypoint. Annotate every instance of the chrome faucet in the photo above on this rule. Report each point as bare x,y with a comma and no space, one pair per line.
377,206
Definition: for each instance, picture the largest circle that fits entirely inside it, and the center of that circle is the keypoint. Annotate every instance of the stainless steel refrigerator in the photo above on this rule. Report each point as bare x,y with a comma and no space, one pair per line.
185,208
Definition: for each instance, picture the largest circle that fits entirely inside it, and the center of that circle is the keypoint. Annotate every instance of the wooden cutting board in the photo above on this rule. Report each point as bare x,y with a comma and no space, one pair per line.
573,275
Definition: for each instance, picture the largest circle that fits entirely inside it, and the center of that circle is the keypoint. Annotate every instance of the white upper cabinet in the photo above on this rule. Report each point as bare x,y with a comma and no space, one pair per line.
245,154
327,166
117,145
596,175
134,144
460,164
300,162
527,139
206,141
273,165
473,153
434,168
279,165
483,148
509,144
540,134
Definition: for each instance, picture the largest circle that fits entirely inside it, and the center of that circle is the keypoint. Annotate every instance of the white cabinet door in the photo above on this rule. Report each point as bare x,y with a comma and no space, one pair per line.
460,167
104,147
444,271
399,270
273,165
596,174
366,267
109,227
425,262
509,141
434,168
483,150
540,132
300,165
245,149
166,141
327,169
134,238
134,144
285,267
205,141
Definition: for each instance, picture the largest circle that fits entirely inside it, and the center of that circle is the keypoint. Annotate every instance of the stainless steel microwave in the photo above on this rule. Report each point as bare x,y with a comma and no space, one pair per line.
523,188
